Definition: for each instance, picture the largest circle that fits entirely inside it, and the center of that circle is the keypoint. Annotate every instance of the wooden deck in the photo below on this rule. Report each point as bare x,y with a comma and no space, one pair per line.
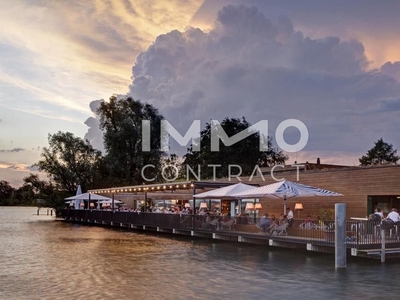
364,246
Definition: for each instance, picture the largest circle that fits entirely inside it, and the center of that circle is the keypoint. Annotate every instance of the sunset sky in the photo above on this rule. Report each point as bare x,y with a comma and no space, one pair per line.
334,65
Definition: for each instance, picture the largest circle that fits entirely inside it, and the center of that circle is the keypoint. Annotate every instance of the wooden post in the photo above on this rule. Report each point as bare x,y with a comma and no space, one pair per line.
383,237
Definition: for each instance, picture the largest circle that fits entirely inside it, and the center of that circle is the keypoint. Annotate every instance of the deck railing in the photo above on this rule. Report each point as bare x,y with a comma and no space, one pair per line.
359,234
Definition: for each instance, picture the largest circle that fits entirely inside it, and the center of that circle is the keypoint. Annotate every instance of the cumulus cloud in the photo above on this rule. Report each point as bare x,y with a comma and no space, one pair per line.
260,68
94,135
391,69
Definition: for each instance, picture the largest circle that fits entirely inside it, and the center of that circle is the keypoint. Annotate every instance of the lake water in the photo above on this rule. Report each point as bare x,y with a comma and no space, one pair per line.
41,258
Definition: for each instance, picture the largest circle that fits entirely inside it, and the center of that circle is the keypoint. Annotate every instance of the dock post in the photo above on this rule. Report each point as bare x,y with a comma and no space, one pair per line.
38,211
340,235
383,236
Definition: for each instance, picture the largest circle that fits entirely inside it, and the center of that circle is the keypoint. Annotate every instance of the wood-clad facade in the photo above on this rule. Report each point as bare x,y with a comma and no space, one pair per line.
363,189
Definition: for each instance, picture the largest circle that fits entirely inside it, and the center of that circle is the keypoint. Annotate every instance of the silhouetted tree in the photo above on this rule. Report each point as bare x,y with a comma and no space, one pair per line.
6,192
245,153
70,161
121,122
382,153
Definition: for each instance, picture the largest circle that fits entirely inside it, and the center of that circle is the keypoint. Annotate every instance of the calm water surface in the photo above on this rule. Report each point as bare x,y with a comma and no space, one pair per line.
41,258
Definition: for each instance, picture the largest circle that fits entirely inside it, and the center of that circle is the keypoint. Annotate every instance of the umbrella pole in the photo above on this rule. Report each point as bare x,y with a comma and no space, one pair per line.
284,205
254,211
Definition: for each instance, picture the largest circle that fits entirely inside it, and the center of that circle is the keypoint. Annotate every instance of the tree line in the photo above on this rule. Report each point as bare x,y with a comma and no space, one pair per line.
69,161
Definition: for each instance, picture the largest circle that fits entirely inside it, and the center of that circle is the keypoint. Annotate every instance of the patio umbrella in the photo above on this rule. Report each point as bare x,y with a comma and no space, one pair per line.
78,192
86,196
225,192
284,190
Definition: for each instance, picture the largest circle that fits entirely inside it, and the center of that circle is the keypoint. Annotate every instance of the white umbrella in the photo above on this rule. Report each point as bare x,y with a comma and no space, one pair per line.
225,192
78,192
88,196
285,189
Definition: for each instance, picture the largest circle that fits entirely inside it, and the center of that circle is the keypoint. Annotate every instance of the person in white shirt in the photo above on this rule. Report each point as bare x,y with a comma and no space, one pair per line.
394,215
290,217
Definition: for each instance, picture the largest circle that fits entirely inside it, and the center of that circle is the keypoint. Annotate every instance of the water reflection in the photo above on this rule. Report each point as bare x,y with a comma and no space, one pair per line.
56,260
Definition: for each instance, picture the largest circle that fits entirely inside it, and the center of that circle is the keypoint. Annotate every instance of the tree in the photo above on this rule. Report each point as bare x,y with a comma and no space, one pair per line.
121,121
6,192
34,189
245,153
382,153
70,161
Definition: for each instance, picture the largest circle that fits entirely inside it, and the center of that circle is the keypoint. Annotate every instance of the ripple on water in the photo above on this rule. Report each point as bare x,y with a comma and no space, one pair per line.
46,259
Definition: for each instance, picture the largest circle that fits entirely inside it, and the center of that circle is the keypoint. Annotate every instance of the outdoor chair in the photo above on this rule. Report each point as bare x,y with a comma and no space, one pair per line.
280,230
214,224
227,225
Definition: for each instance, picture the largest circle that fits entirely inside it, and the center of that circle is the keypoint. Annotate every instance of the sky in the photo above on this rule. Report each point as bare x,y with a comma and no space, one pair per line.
334,65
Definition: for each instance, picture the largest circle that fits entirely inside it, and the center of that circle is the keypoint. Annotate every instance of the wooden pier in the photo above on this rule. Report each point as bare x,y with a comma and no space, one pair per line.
364,245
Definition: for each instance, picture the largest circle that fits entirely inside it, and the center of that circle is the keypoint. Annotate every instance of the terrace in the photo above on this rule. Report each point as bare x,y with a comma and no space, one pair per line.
363,238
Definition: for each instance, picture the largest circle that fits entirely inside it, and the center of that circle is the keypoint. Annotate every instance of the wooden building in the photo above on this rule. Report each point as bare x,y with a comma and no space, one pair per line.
364,189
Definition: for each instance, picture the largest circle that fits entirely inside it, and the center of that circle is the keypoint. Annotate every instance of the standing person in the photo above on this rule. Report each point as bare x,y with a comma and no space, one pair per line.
290,217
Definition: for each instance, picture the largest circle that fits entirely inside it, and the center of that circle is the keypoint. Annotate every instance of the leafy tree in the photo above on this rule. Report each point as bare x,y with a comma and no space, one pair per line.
171,167
70,161
121,122
24,196
34,189
245,153
382,153
6,191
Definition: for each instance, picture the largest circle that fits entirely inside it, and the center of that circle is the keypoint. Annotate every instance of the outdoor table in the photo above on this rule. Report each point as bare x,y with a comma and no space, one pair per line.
359,226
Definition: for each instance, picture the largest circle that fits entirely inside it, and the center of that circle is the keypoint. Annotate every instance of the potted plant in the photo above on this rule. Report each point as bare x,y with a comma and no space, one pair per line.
326,217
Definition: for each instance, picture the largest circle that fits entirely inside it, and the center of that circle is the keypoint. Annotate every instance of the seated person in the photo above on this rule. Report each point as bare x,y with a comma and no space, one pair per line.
245,219
272,227
282,219
226,218
238,219
394,216
378,212
206,224
265,222
308,223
